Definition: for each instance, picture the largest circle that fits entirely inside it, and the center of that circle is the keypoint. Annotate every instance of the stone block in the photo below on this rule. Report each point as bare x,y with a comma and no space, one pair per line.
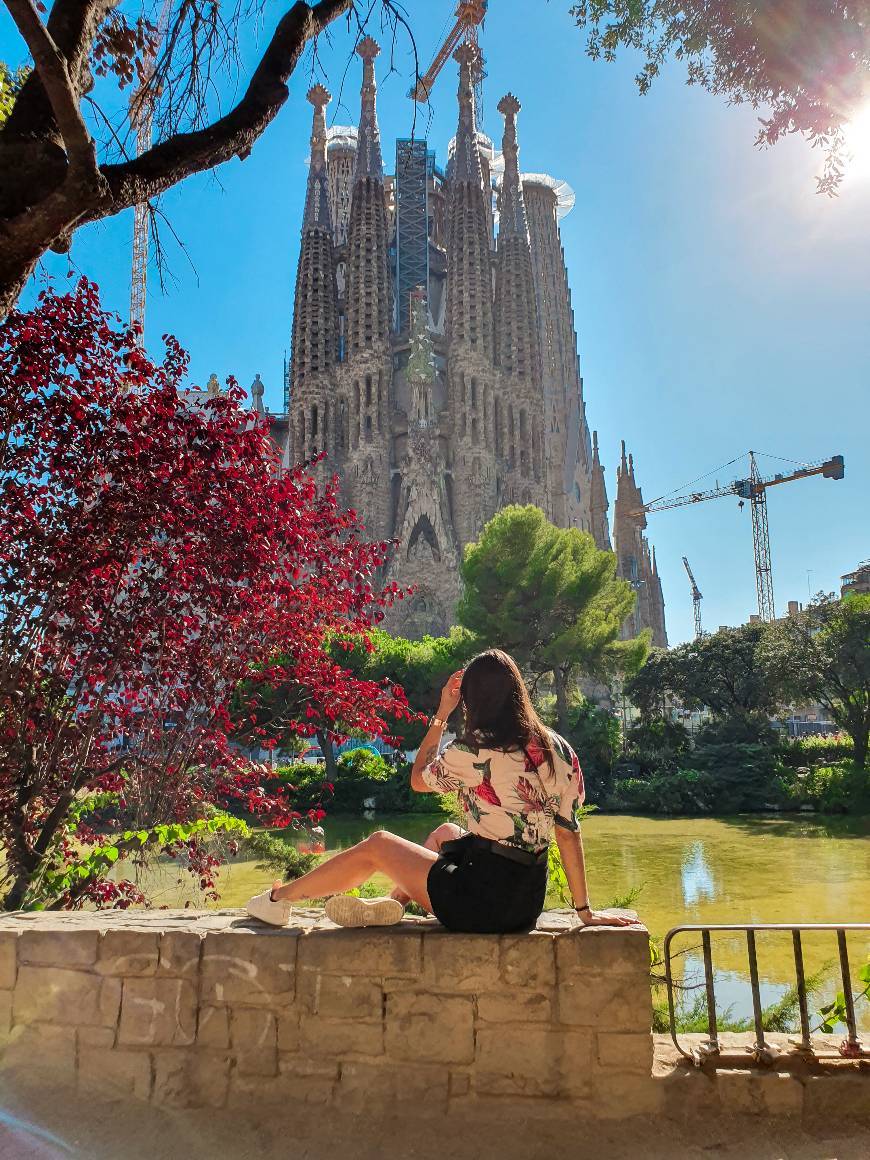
213,1028
609,950
298,1082
439,1028
521,1060
108,1073
56,995
179,953
41,1049
461,962
690,1093
187,1079
8,959
247,970
528,960
340,1037
783,1094
62,947
612,1003
129,953
626,1050
370,1086
844,1095
391,951
101,1037
5,1014
254,1039
618,1096
739,1092
340,996
512,1006
460,1084
158,1012
289,1036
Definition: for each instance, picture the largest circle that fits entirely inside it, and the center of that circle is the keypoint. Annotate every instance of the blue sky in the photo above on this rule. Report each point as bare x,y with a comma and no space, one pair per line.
720,304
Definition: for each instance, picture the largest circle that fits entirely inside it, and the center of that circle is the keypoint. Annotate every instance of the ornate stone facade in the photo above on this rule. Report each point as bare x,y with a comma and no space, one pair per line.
438,411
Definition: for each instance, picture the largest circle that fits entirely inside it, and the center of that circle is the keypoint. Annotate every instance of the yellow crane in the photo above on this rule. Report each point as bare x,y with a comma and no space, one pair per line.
754,489
470,15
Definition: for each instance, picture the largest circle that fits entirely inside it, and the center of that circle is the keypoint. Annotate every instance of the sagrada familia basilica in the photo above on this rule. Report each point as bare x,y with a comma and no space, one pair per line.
434,356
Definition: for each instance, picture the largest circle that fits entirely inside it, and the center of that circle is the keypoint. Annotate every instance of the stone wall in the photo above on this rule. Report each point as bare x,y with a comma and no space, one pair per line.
209,1009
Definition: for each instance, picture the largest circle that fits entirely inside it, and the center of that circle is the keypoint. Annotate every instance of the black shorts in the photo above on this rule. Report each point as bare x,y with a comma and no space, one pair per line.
475,890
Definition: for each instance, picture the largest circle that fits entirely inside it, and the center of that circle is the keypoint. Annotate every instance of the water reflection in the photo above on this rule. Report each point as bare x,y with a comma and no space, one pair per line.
697,877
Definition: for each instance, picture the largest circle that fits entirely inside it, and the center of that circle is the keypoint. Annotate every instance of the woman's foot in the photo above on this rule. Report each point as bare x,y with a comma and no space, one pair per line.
265,907
348,910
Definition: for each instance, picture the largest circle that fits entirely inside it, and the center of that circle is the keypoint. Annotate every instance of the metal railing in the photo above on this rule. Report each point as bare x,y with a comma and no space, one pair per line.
762,1050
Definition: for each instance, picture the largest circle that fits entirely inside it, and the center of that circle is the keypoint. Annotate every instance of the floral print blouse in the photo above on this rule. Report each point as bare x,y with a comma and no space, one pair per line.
511,797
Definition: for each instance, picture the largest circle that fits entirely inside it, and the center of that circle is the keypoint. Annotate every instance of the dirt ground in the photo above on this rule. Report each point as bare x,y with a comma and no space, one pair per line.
40,1126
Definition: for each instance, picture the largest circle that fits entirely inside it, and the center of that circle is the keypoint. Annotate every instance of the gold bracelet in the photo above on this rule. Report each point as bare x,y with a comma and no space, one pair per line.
437,721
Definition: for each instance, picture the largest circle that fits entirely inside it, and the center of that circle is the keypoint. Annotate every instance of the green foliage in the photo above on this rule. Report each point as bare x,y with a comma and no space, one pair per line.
800,751
10,86
741,756
830,789
594,734
549,597
656,745
728,672
685,791
421,667
833,1013
274,854
823,655
62,875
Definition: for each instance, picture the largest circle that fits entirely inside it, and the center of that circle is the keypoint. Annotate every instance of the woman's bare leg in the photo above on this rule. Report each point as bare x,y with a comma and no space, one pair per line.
406,863
446,832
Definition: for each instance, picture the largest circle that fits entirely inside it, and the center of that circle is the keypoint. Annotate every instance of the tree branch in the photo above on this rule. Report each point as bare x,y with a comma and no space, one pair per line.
184,154
51,65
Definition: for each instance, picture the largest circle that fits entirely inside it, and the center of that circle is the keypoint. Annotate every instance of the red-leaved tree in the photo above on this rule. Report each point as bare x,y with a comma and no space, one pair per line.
152,557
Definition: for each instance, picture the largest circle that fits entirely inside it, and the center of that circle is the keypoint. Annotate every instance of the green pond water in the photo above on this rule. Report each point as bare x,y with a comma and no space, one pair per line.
690,870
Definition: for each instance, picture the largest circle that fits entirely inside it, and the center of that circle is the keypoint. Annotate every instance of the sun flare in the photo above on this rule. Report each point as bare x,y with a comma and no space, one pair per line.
857,134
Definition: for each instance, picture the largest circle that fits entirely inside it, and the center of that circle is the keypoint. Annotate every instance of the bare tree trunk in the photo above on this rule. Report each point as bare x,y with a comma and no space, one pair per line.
325,744
561,699
52,181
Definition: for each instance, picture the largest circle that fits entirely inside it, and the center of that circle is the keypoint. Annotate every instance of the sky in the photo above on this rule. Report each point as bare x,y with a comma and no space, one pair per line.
720,303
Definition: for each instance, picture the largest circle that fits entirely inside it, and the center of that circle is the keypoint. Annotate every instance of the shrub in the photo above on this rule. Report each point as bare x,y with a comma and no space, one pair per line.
685,791
811,750
831,789
657,745
594,735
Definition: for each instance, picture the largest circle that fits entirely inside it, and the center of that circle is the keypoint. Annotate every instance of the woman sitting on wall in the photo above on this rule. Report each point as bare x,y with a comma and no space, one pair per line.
518,784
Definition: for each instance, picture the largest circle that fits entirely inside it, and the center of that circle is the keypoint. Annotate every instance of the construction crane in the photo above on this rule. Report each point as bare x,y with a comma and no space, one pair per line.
696,599
470,15
141,120
754,489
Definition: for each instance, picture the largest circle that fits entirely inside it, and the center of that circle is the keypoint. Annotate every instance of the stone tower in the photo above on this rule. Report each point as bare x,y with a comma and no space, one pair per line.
519,411
437,411
472,389
366,373
315,317
634,561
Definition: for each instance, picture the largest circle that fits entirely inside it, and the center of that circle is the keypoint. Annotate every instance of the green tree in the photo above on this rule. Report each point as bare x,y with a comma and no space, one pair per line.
549,597
728,672
420,666
10,87
805,61
823,655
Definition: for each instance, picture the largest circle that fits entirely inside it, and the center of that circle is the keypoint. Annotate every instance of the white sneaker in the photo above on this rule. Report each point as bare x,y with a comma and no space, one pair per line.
262,907
348,910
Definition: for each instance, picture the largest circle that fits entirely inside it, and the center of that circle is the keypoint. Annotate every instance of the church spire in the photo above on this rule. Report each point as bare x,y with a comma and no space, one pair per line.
369,294
317,214
466,158
314,343
598,500
512,211
369,162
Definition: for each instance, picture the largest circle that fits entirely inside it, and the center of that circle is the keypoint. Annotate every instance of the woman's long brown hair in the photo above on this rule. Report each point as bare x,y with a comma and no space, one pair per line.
499,713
